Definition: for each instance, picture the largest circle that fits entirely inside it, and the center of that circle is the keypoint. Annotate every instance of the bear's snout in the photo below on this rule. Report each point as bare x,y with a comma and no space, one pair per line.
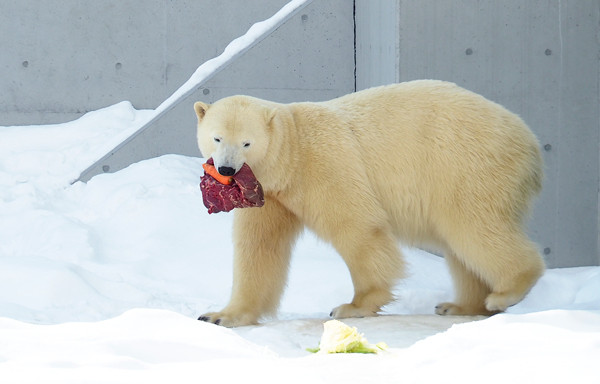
226,171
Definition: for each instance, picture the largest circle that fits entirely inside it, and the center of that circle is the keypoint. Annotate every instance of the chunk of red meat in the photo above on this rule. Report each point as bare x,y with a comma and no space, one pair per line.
245,191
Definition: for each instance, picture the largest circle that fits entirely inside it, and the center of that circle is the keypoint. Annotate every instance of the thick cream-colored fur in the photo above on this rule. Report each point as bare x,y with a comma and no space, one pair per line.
426,163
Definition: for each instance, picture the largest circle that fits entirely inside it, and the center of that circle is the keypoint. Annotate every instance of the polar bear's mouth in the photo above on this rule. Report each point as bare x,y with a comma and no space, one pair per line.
245,191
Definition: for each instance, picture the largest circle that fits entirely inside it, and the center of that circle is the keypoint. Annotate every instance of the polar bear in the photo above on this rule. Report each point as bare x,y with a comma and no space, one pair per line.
424,163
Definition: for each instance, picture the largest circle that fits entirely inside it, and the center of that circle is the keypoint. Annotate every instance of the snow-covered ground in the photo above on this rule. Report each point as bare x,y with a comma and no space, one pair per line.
102,282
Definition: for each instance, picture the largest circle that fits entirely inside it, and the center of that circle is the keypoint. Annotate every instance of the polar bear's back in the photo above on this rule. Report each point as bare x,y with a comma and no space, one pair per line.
433,148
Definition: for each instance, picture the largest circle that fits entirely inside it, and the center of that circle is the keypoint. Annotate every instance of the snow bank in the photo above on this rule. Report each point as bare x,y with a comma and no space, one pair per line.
159,346
50,156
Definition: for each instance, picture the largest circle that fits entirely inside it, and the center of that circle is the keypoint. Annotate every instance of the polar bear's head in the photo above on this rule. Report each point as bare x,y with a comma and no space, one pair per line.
233,131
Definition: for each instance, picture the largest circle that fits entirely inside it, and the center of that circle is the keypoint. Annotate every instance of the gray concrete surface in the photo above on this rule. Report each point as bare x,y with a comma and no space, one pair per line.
539,58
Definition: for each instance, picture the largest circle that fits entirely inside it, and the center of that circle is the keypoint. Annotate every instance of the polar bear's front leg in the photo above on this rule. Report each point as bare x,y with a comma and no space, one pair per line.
263,239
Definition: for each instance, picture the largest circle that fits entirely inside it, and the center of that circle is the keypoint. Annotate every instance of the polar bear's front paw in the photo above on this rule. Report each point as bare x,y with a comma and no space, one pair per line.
228,320
351,310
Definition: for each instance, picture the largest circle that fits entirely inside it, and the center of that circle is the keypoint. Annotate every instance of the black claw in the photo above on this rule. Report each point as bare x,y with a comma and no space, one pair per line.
331,314
204,318
218,322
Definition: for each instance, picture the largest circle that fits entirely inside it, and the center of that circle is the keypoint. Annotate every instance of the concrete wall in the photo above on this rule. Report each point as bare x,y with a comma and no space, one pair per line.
540,59
62,59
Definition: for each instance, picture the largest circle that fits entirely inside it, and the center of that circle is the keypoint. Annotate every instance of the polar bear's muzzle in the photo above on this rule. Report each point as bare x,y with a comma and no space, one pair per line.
228,159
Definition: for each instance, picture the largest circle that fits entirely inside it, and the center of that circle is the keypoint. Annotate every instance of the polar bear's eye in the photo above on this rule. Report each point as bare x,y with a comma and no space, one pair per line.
217,140
246,145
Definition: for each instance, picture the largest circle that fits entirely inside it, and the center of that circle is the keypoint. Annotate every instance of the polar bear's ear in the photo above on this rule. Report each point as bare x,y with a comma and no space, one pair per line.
200,109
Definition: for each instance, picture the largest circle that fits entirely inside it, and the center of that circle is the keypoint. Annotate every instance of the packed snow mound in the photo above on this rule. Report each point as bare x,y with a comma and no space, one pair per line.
51,156
151,346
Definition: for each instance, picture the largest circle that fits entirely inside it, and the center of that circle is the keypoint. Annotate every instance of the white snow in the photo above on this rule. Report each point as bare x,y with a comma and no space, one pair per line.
102,283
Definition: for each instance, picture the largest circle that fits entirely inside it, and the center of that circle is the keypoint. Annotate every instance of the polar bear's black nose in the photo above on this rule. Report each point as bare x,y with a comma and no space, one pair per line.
226,171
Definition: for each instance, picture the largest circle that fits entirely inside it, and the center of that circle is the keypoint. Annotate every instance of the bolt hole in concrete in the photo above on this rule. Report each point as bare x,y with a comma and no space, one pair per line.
469,51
